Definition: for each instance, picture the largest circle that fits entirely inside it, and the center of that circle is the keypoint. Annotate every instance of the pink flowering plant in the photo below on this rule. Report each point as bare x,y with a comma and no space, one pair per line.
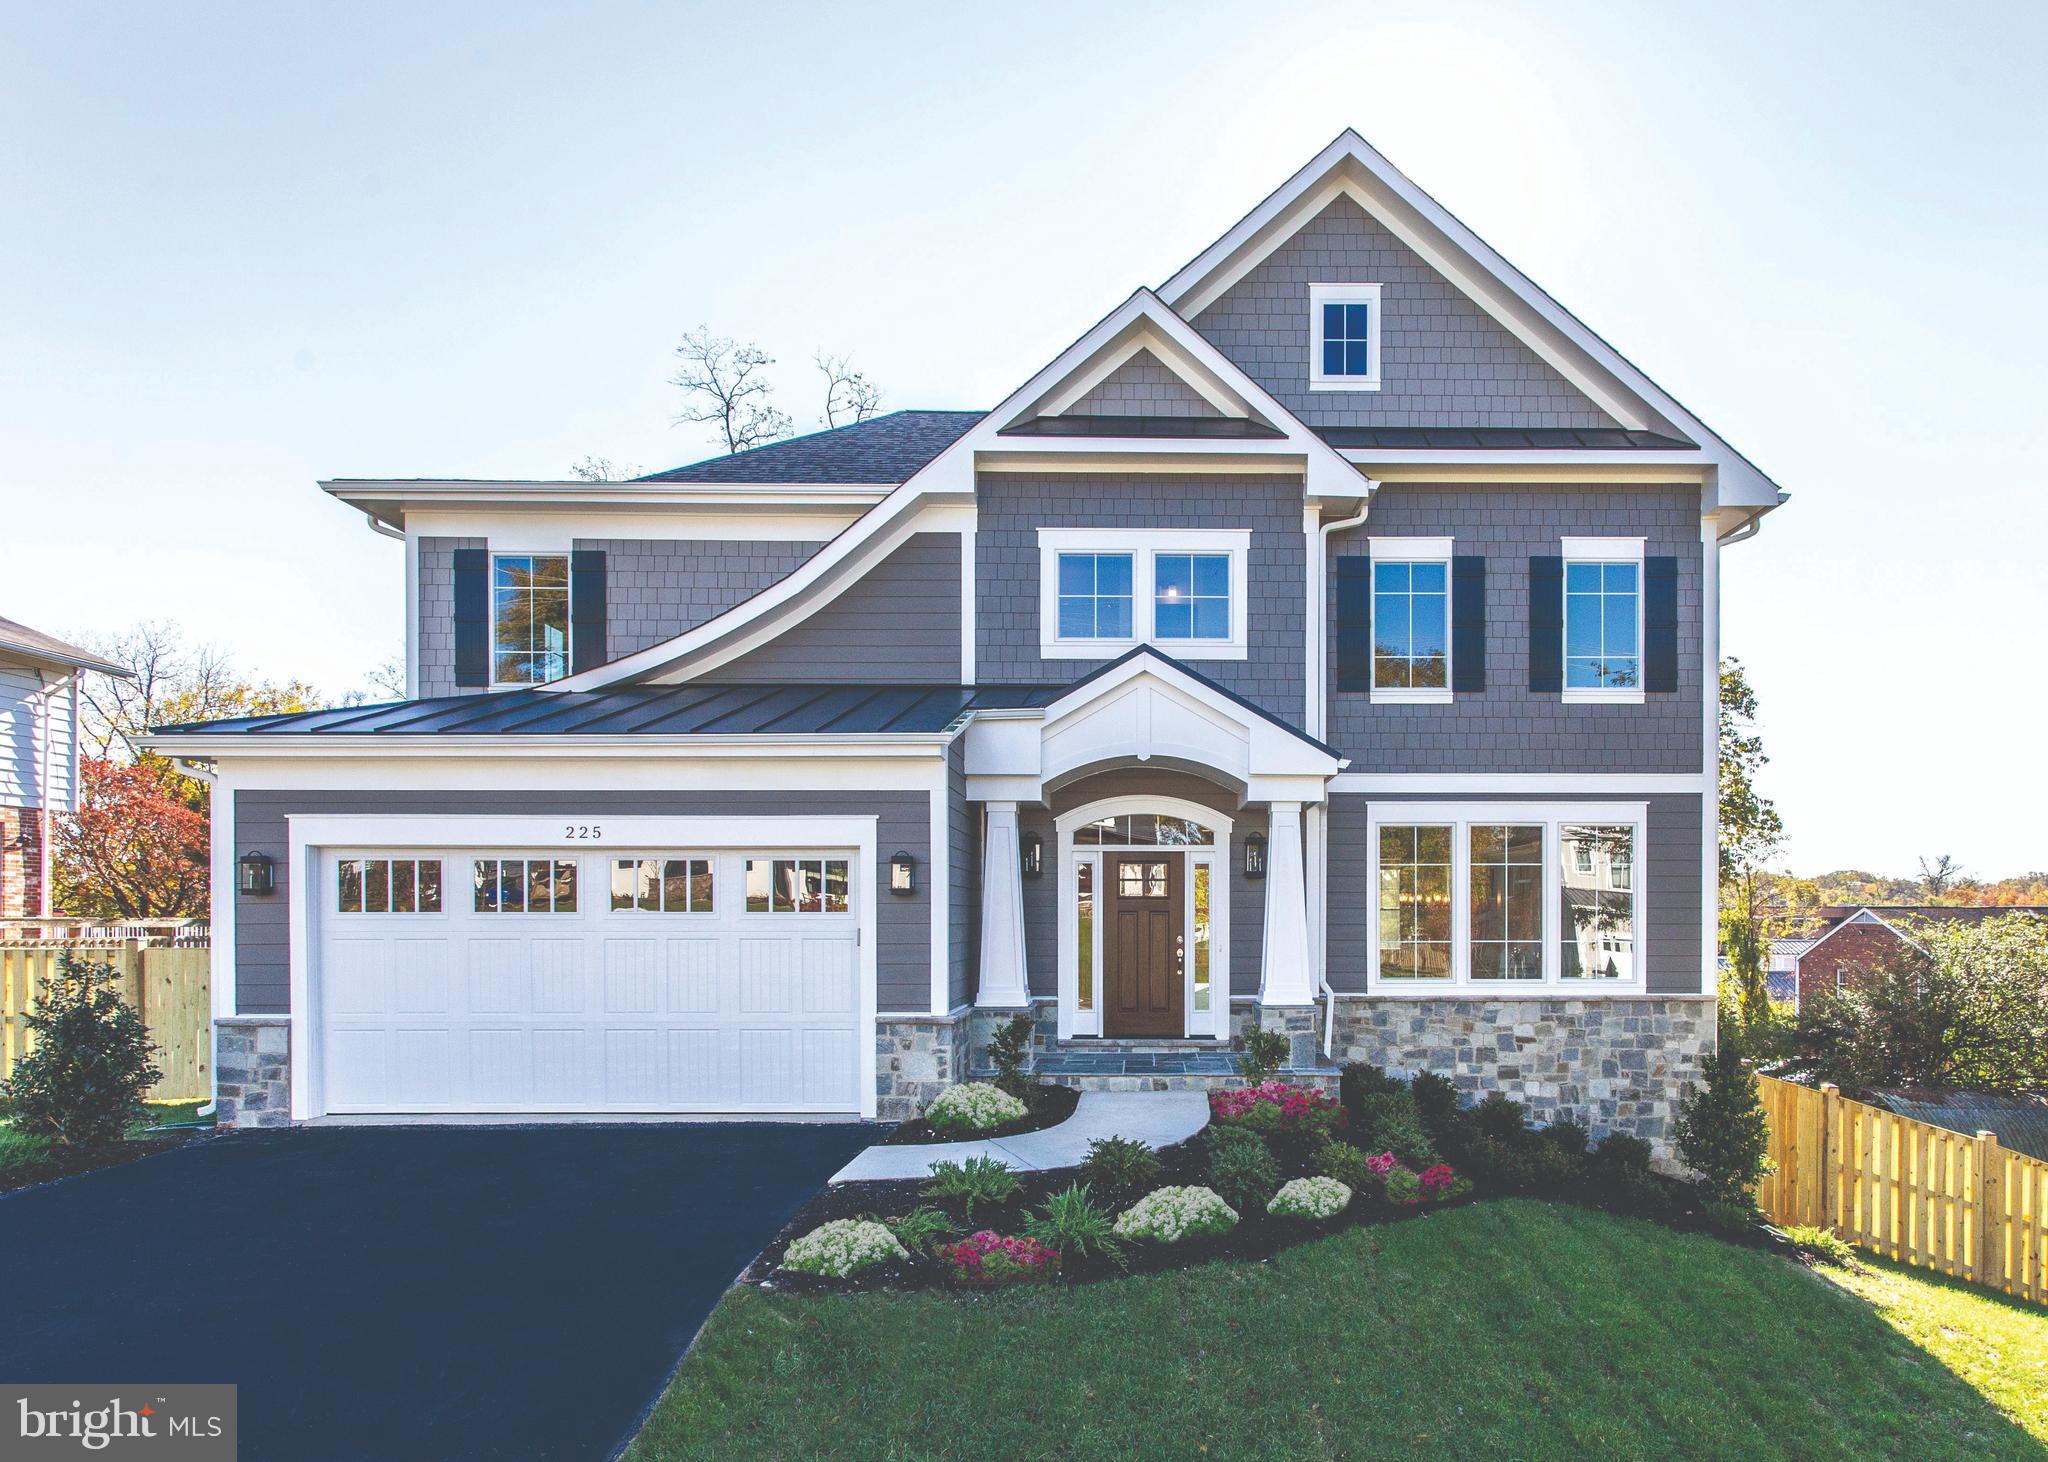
989,1259
1297,1117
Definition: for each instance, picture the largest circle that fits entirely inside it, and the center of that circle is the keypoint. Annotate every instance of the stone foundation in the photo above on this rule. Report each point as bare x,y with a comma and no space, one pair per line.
252,1071
915,1059
1609,1065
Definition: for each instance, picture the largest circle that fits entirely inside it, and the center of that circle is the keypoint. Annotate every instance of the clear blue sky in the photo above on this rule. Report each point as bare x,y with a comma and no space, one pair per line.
246,247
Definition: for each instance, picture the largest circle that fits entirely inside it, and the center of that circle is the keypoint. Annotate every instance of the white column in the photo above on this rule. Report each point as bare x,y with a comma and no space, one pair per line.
1003,983
1286,974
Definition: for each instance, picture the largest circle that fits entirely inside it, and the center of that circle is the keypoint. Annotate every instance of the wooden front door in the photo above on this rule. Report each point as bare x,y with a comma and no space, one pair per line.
1144,945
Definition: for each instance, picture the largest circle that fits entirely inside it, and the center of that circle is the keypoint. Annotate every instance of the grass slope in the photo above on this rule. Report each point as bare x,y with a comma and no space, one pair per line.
1514,1328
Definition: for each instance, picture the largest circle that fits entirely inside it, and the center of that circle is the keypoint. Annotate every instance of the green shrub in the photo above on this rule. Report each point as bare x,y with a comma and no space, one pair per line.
1389,1122
1260,1054
1074,1224
1569,1137
1403,1186
1620,1152
918,1229
1722,1132
1345,1163
1241,1168
1435,1098
1360,1080
1120,1168
1008,1049
20,1154
1820,1244
977,1181
1618,1174
81,1084
1500,1118
1732,1219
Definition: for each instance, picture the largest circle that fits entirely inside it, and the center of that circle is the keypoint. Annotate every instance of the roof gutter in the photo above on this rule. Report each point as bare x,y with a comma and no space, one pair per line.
1318,718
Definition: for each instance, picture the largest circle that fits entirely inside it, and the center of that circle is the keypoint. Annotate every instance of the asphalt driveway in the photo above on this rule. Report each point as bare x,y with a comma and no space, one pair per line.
406,1292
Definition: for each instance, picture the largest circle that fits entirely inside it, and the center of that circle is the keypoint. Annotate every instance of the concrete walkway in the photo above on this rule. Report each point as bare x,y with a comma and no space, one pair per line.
1156,1118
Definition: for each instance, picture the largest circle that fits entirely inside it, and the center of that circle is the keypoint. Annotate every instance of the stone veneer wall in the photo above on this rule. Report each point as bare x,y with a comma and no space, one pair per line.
916,1058
1609,1065
252,1071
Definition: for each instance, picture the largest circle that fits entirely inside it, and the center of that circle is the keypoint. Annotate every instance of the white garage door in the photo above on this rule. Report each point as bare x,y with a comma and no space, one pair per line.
665,980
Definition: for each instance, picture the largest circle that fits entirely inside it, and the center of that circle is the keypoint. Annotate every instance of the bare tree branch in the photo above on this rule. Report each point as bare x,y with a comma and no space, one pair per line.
604,469
721,384
849,395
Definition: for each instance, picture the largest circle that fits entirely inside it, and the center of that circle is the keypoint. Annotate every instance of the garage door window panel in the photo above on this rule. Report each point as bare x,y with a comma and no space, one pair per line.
525,886
797,886
663,885
388,886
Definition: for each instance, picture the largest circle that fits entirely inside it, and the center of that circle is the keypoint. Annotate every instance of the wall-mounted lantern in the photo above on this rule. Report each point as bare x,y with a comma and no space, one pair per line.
255,874
1034,855
1255,856
902,874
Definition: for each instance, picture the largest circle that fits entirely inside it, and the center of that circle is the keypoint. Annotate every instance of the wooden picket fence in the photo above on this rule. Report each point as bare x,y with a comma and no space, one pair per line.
1907,1190
169,986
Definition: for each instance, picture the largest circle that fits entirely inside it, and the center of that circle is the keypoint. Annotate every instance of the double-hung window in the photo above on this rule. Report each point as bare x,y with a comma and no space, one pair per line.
1411,619
1499,898
1344,337
1603,619
1104,591
529,618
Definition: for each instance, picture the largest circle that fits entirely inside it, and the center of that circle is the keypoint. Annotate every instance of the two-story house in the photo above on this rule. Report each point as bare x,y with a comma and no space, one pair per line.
1325,639
39,702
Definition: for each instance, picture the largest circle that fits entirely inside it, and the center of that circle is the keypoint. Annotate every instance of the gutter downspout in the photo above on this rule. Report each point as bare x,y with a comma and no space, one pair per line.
204,771
382,528
1318,719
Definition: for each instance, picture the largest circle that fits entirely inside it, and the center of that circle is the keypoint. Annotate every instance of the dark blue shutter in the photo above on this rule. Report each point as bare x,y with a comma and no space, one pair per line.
1468,623
1546,624
1354,623
472,617
1660,625
586,610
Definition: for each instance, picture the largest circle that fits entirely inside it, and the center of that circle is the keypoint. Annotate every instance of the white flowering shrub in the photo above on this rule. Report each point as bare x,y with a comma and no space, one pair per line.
1168,1215
843,1247
975,1107
1310,1198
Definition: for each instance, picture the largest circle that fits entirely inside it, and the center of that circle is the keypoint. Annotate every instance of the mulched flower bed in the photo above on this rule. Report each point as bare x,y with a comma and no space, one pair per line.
1049,1106
65,1162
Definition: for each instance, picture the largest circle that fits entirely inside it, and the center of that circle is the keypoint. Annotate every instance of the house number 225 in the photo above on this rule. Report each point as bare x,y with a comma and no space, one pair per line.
583,832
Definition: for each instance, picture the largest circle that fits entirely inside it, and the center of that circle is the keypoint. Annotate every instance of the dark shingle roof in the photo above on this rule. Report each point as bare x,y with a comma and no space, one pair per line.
1141,426
1505,438
35,645
694,709
886,449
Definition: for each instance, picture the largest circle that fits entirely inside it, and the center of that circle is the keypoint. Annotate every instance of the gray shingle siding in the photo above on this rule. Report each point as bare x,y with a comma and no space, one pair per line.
1671,864
1013,508
1143,386
901,622
437,617
656,589
902,924
1445,361
1507,727
963,829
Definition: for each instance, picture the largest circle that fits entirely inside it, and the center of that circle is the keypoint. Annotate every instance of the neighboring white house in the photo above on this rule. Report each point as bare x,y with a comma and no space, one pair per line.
39,679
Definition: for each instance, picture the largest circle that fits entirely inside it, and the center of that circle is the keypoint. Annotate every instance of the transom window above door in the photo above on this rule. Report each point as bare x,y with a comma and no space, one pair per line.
1104,591
529,618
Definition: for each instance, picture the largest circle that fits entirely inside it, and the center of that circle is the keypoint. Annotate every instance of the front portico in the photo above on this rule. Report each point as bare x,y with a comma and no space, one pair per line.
1144,825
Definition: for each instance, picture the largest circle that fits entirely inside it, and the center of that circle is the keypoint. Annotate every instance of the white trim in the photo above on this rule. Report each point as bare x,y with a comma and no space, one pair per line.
308,835
1537,783
1343,294
1411,550
1005,978
1386,549
1600,550
1144,546
563,526
1214,1021
412,614
392,501
968,617
426,746
529,548
1143,342
939,897
222,853
1603,550
1710,745
1460,816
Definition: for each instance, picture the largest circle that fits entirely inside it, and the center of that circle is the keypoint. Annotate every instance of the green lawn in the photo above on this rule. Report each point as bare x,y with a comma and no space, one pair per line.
1513,1328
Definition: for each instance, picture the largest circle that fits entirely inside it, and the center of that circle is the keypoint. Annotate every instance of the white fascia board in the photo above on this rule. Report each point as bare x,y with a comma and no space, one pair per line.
1273,748
1352,166
558,528
340,746
390,500
537,775
1521,783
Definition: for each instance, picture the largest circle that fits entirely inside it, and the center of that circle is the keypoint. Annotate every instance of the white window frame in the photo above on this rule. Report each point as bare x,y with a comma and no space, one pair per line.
1599,550
1343,294
1143,546
1460,817
1411,551
568,559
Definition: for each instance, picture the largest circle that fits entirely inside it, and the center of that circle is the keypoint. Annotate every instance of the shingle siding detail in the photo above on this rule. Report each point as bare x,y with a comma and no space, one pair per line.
963,912
903,940
437,617
1142,386
901,623
656,589
1671,864
1011,510
1445,361
1507,727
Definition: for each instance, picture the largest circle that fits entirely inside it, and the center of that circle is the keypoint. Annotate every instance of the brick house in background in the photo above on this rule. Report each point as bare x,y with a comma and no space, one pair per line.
39,679
1859,938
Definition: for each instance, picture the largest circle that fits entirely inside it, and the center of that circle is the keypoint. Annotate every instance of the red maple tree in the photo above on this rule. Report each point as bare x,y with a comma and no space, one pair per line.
137,847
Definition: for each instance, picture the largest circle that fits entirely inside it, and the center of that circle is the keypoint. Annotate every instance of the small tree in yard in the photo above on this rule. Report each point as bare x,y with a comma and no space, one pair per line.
1722,1131
83,1081
1007,1048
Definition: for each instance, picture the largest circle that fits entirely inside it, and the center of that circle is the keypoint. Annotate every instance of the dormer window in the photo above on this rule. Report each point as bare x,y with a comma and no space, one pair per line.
1344,337
529,618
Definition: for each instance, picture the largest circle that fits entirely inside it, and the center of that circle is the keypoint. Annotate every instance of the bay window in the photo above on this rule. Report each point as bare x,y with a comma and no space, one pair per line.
1507,898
